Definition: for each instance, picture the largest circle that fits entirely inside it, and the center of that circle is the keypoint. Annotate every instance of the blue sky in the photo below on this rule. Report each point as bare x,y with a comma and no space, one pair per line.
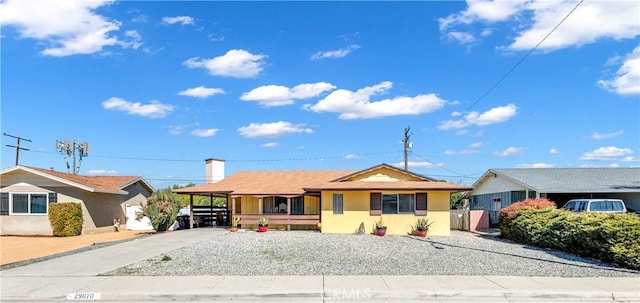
157,87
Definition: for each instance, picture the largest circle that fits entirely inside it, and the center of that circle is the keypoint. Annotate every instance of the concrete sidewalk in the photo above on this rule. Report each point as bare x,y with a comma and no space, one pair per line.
323,289
55,279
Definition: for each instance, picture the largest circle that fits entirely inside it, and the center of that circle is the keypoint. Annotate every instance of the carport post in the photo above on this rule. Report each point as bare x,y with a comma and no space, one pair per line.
190,211
288,212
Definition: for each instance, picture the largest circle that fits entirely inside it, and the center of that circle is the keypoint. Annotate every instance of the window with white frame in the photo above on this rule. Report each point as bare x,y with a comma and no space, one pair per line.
29,203
398,203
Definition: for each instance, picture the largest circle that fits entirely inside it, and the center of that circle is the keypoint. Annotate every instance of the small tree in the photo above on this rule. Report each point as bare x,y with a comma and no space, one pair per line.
162,209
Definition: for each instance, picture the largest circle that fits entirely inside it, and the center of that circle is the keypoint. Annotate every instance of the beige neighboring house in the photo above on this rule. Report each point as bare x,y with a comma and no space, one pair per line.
26,193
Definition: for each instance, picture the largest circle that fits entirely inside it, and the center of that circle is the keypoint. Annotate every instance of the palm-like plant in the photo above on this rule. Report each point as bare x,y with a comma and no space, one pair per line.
162,209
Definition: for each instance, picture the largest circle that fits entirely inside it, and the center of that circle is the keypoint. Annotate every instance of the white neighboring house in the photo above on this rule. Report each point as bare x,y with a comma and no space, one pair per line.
499,188
26,193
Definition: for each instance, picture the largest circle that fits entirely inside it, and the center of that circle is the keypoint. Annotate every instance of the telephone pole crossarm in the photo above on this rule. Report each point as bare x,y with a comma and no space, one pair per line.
17,146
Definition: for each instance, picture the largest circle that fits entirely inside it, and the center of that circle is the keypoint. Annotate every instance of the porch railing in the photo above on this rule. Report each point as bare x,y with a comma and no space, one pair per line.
252,219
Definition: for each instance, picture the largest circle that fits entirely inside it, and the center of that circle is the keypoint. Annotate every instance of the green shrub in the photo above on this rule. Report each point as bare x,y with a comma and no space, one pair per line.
606,237
507,214
162,209
66,219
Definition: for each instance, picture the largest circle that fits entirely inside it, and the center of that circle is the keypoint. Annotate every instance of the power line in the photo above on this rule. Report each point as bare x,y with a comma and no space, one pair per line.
237,160
523,58
442,167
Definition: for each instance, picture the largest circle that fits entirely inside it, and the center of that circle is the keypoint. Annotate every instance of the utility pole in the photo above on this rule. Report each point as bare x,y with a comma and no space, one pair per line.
17,146
407,145
68,149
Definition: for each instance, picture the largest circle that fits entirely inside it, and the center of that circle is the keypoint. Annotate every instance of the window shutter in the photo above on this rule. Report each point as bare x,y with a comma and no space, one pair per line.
375,204
421,204
4,204
53,197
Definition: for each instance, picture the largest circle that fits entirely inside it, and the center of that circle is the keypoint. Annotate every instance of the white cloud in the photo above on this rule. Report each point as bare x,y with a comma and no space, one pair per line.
461,37
493,116
339,53
476,144
461,152
140,19
535,165
421,164
351,156
155,109
275,129
482,10
176,129
101,172
270,144
276,95
510,151
201,92
204,132
184,20
599,136
629,159
534,19
358,104
627,79
554,151
134,40
609,153
236,63
65,27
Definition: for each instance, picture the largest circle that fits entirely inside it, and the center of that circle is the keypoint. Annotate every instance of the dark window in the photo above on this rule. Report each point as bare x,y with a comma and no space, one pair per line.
421,204
338,204
4,204
398,203
297,205
38,204
375,204
53,197
20,203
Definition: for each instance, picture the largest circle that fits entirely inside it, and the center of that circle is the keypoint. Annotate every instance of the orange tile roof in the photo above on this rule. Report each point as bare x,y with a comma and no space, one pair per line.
99,183
299,182
267,182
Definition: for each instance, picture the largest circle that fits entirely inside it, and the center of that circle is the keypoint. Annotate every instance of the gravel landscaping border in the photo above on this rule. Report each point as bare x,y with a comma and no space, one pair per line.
249,253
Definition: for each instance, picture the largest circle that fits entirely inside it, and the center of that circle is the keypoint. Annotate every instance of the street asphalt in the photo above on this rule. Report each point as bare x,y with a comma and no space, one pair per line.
77,277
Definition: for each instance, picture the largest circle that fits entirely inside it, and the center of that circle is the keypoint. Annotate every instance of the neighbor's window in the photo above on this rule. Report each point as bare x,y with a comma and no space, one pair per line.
4,204
338,206
398,203
29,203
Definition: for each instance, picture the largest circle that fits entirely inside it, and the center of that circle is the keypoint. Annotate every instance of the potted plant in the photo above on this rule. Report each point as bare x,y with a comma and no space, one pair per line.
381,229
422,227
263,224
234,224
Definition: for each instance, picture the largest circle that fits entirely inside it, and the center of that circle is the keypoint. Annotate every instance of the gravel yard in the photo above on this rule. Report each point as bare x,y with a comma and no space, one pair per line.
249,253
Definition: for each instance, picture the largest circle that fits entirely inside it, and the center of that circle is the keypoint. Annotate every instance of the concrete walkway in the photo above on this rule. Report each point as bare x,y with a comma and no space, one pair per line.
60,279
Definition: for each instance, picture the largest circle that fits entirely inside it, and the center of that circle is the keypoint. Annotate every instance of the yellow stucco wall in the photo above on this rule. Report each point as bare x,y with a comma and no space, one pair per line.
356,211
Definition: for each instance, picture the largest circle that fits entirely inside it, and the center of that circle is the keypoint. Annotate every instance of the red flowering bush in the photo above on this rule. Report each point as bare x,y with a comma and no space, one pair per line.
509,213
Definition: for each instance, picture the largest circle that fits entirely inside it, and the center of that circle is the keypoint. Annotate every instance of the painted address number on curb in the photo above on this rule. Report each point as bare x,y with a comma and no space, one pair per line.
83,296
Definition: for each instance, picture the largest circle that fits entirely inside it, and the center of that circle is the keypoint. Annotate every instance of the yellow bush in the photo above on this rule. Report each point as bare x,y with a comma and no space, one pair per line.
66,219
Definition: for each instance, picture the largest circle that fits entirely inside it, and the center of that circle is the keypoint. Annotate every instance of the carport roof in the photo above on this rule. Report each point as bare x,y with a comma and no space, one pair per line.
571,180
